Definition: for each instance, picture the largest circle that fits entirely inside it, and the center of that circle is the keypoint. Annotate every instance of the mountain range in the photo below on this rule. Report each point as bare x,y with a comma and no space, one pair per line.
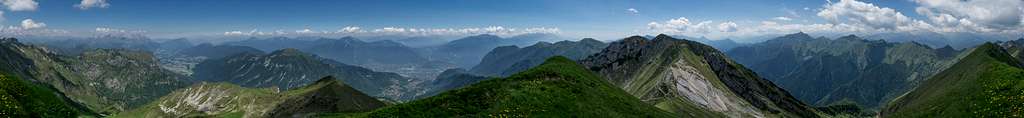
508,60
823,71
290,68
103,80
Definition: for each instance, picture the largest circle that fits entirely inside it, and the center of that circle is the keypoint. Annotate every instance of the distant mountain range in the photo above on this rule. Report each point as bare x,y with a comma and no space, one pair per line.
824,71
290,68
692,79
508,60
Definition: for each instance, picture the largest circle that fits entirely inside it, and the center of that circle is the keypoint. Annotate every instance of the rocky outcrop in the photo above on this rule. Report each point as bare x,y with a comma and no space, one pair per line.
689,77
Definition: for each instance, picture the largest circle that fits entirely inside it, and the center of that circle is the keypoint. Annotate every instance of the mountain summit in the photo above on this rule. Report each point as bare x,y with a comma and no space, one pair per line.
688,77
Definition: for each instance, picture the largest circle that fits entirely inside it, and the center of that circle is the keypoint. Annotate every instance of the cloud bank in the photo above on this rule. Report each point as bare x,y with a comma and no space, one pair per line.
983,17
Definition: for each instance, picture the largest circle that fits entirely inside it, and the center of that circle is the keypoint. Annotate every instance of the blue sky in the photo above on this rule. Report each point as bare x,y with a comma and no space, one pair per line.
592,18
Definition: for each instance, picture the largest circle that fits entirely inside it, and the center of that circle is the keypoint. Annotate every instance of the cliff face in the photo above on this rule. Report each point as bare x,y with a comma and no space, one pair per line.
688,77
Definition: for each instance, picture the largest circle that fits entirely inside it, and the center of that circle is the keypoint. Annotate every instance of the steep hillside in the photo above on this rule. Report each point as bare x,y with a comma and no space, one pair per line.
688,77
557,88
1015,48
508,60
823,71
327,95
986,83
290,68
20,98
103,80
124,79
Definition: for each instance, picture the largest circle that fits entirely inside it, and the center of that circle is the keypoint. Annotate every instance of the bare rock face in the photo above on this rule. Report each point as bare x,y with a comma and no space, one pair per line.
689,77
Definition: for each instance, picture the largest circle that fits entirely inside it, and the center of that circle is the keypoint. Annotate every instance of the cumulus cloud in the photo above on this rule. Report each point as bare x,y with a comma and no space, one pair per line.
633,11
681,25
31,24
21,5
865,14
782,18
991,14
350,29
727,27
86,4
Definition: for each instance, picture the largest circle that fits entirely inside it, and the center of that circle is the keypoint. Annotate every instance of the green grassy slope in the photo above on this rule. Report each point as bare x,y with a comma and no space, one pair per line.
986,83
557,88
21,99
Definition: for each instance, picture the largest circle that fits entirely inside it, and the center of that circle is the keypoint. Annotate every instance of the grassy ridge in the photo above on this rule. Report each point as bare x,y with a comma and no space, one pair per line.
557,88
987,83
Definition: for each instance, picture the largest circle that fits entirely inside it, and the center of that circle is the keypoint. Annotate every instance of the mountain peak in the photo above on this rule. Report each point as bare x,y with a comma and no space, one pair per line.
798,35
662,36
8,40
327,79
484,36
287,52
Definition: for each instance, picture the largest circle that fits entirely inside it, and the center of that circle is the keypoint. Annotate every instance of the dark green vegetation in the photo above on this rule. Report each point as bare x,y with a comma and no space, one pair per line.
103,80
988,82
452,79
21,99
693,79
327,95
823,71
557,88
508,60
290,68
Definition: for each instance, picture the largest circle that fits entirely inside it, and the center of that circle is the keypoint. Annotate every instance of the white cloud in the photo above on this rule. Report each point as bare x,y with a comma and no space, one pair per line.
727,27
680,25
31,24
21,5
86,4
633,11
865,14
305,31
350,29
782,18
994,14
